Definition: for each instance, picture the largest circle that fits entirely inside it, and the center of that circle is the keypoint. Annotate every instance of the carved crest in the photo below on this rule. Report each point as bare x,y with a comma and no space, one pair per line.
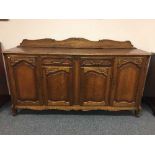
124,103
56,61
136,60
58,103
101,70
98,62
76,43
49,70
27,101
92,103
16,59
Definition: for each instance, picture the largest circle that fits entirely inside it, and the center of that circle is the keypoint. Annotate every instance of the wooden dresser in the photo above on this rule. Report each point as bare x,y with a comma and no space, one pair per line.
76,74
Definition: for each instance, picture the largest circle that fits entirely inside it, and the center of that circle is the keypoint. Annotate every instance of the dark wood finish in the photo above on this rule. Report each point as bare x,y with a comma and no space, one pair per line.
4,94
66,78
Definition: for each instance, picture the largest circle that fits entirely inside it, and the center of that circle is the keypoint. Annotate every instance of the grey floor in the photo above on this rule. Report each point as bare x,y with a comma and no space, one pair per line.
76,123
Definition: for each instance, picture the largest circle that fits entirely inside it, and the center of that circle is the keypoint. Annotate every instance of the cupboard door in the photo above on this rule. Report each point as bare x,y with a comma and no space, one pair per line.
95,85
57,83
24,81
126,83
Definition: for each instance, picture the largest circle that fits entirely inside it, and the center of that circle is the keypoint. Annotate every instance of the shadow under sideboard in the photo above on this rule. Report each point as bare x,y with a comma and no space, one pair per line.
149,91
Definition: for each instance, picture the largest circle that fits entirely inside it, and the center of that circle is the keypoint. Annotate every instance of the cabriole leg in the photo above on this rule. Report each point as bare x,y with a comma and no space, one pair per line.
14,111
137,113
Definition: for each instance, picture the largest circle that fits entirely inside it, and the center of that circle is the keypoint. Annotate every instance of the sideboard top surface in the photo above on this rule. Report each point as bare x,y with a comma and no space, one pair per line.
65,51
76,46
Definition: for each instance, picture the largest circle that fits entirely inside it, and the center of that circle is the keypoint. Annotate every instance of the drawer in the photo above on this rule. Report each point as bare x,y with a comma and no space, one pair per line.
57,61
134,60
14,59
97,61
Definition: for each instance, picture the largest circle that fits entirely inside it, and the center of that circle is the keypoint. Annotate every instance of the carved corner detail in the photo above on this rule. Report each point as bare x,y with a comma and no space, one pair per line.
55,61
14,60
136,60
94,103
96,62
49,70
101,70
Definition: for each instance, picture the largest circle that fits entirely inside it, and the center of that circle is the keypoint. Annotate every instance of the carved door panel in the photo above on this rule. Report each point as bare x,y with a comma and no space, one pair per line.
127,81
24,81
95,85
57,83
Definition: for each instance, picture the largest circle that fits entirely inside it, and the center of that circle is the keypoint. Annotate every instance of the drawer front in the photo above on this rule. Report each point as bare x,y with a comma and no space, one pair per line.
97,61
57,61
14,59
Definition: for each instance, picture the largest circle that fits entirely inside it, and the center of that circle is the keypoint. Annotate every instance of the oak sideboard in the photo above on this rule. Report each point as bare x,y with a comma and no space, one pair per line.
76,74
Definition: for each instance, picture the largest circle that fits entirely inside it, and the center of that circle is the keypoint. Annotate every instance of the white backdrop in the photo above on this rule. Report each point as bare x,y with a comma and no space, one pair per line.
140,32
